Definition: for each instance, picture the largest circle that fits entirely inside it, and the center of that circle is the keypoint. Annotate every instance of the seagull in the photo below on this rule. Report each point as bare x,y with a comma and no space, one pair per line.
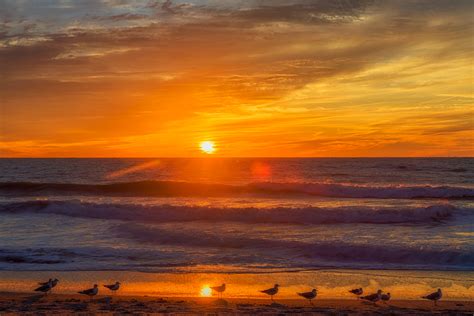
435,296
219,289
357,292
45,288
53,282
374,298
309,295
272,291
90,292
385,297
113,287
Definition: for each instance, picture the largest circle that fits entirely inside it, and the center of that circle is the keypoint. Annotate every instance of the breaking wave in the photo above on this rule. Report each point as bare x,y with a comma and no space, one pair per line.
278,215
321,252
172,188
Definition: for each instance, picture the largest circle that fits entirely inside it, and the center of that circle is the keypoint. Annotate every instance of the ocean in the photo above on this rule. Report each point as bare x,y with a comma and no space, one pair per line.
236,215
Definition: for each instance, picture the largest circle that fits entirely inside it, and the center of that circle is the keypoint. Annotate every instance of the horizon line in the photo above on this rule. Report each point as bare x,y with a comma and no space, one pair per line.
245,157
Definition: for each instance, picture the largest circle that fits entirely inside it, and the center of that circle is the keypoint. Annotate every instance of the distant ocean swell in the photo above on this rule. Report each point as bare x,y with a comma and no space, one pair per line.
279,215
171,188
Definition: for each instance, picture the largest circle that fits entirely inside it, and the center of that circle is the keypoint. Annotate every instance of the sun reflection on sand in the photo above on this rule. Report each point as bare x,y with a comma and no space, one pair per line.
205,291
331,284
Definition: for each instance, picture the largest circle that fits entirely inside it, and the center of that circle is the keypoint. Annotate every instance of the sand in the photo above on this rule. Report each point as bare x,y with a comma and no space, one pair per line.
33,304
179,293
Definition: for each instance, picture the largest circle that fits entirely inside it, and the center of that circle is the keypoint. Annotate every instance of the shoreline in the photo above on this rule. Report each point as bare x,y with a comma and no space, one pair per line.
331,284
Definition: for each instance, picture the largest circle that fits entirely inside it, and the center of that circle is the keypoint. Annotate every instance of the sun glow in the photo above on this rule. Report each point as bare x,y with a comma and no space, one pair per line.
206,291
207,147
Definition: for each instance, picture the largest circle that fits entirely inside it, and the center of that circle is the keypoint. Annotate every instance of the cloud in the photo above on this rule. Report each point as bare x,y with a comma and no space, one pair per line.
96,66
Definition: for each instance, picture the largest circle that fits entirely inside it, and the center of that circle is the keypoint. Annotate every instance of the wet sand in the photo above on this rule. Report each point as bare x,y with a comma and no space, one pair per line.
181,293
29,304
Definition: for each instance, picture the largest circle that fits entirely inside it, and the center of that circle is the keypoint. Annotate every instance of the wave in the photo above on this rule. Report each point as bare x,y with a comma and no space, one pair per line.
348,253
91,259
172,188
359,191
186,250
279,215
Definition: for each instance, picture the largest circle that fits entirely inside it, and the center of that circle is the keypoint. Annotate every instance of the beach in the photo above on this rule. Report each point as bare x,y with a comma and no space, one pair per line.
24,304
183,293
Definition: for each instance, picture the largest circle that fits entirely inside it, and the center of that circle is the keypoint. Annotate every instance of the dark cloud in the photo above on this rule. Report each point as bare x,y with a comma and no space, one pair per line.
121,17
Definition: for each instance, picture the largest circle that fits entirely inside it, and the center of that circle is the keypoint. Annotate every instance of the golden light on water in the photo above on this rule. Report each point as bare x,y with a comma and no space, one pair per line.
206,291
207,147
134,169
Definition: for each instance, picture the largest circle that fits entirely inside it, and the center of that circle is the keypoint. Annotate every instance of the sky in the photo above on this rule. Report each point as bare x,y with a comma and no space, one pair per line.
262,78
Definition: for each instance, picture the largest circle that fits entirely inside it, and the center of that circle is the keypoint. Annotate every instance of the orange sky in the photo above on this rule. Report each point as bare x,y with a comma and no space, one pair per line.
119,78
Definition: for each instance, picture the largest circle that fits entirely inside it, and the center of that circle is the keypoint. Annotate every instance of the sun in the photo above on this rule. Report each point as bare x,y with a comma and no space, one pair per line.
207,147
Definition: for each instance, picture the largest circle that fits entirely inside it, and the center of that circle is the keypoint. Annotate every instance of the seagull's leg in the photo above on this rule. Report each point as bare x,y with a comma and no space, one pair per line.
271,297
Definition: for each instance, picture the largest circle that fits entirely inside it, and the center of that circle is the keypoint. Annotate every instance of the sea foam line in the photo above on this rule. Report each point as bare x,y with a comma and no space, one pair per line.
278,215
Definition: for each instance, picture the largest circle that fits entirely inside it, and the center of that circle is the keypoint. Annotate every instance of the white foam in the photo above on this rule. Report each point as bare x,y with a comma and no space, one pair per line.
280,215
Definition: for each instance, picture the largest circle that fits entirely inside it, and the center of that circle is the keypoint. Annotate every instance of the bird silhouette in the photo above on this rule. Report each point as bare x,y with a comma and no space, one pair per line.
374,298
46,287
272,291
113,287
219,289
385,297
309,295
435,296
357,292
90,292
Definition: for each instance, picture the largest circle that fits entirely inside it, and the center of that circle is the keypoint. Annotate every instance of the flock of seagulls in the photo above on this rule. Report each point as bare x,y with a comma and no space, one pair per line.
47,287
385,297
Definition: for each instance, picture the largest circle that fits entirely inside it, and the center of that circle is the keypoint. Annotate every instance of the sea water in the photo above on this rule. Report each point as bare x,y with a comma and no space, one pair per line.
237,215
